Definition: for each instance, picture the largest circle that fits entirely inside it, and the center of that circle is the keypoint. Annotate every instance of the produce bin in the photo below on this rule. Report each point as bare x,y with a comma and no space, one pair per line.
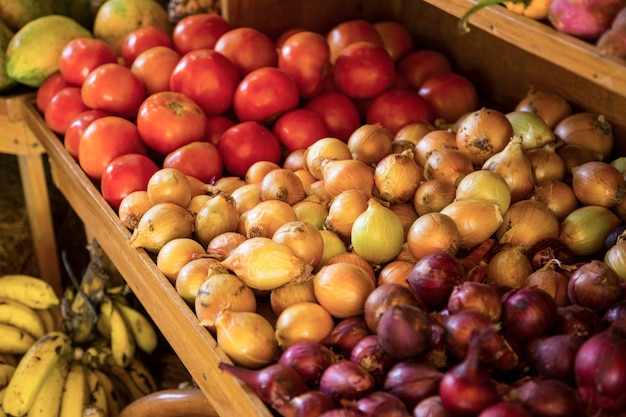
504,54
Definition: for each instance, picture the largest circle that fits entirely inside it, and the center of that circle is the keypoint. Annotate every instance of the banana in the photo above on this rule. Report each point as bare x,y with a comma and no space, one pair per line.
47,403
141,376
141,327
17,314
114,401
123,344
14,340
8,359
125,383
33,369
6,372
51,318
2,392
97,393
75,394
32,291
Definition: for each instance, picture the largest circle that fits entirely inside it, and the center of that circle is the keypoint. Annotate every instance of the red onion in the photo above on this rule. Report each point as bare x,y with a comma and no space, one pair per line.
346,380
370,355
346,334
600,370
474,263
550,249
342,412
528,312
275,384
505,409
381,404
383,297
412,381
576,319
550,398
617,313
308,404
476,296
551,281
437,354
309,359
552,357
431,407
404,331
434,277
584,19
467,388
594,285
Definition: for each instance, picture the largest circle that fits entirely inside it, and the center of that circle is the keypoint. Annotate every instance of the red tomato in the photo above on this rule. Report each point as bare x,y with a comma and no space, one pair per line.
363,70
125,174
208,78
49,88
80,56
394,109
264,94
168,120
397,39
339,111
199,31
349,32
62,108
141,39
285,35
451,95
154,68
421,64
246,143
248,49
114,88
104,140
299,128
77,126
306,57
201,160
216,125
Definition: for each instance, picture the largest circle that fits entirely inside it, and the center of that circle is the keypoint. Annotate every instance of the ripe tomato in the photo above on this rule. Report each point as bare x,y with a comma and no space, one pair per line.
363,70
349,32
199,31
82,55
113,88
450,94
48,88
208,78
339,111
105,139
141,39
244,144
216,125
264,94
64,105
154,68
125,174
396,38
201,160
299,128
421,64
248,49
285,35
168,120
77,126
394,109
306,57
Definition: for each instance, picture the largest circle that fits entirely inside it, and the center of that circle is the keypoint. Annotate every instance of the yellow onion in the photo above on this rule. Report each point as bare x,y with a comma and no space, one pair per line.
303,322
615,258
221,245
407,215
448,164
312,212
217,215
282,184
353,258
589,130
405,254
533,130
436,139
246,197
198,187
485,185
343,211
413,132
482,134
316,191
305,176
247,338
433,195
176,253
396,177
526,223
222,292
342,289
546,163
132,208
265,218
514,167
193,274
585,229
264,264
257,171
333,245
304,239
295,160
620,210
433,232
292,293
347,174
197,201
228,184
369,143
551,107
395,272
620,164
509,267
161,223
377,233
169,185
322,150
598,183
557,195
573,155
476,220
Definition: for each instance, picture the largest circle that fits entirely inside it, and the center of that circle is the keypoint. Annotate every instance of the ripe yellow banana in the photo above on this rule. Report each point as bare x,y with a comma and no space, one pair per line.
8,359
47,403
32,371
125,383
141,376
75,392
114,402
123,344
2,391
32,291
14,340
17,314
6,372
47,318
97,393
142,328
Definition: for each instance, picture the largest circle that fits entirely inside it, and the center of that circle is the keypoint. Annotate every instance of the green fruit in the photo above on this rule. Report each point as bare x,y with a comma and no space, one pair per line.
33,53
16,13
6,34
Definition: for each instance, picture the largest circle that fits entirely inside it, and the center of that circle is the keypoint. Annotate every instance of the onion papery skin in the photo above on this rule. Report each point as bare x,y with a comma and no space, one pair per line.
346,334
430,407
482,134
412,381
381,404
577,319
382,298
309,359
551,397
505,409
346,380
433,232
309,403
528,312
594,285
552,356
527,222
370,355
590,130
551,107
404,331
476,296
434,277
